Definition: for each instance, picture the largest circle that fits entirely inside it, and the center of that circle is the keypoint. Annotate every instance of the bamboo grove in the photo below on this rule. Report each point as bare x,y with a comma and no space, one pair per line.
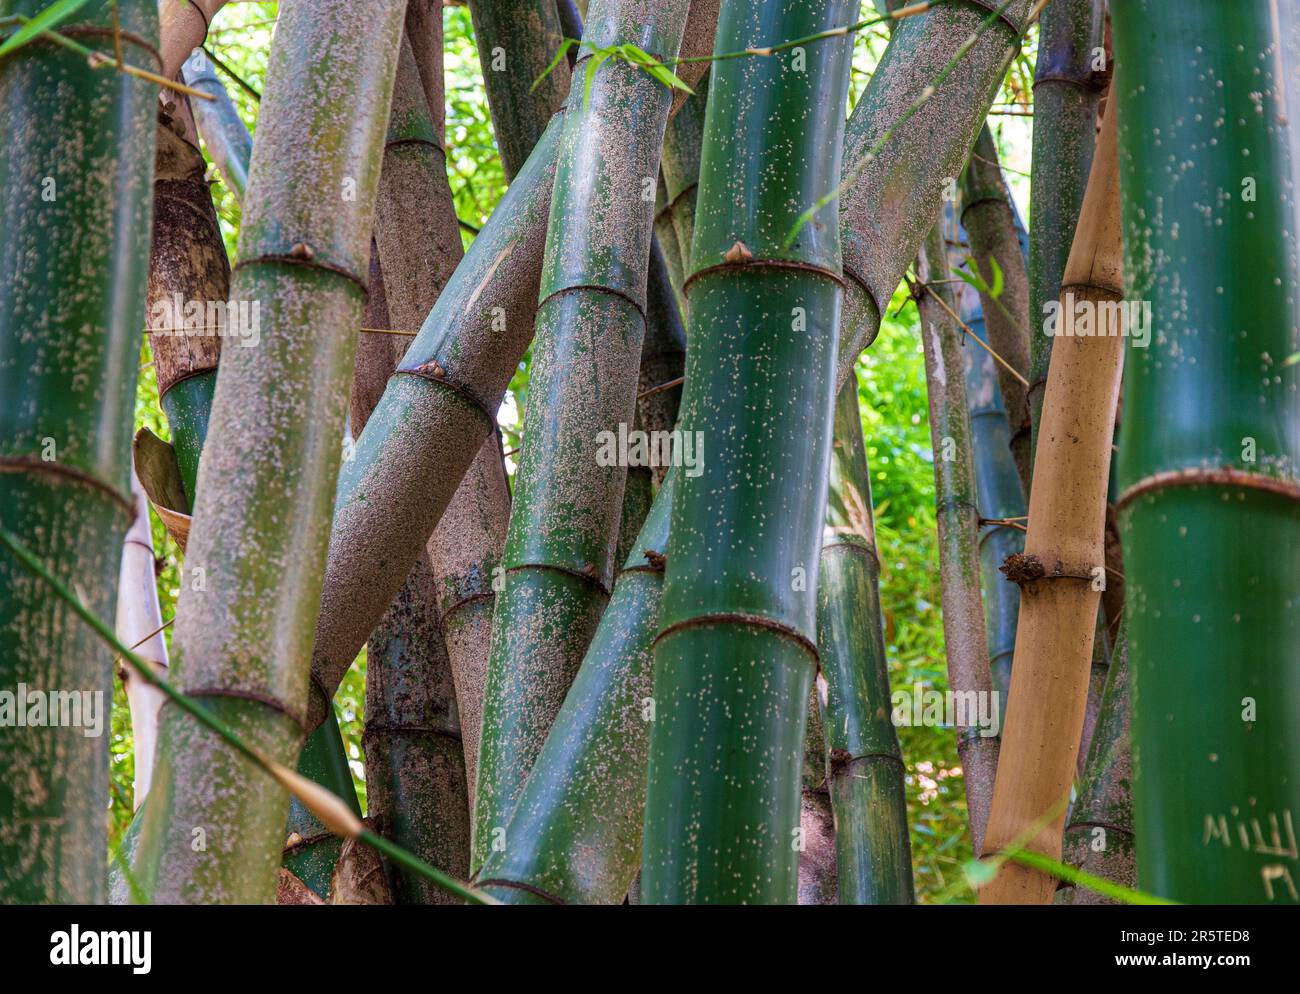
491,519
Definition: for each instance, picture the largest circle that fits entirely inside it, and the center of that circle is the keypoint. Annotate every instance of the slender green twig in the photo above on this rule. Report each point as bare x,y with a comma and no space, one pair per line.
349,825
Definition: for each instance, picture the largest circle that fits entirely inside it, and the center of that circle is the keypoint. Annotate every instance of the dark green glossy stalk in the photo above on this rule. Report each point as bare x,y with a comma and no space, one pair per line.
516,40
862,751
1209,486
575,835
590,325
269,468
736,654
964,634
1099,836
666,238
1066,88
77,171
633,632
989,221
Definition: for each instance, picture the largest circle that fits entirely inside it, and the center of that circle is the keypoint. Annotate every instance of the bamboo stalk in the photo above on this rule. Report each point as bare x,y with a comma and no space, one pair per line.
863,757
465,551
987,216
590,325
1099,836
1064,553
1209,490
304,245
997,490
183,27
516,40
450,382
189,258
957,516
736,653
188,268
415,757
1066,90
77,171
663,358
621,769
914,153
681,171
224,133
575,834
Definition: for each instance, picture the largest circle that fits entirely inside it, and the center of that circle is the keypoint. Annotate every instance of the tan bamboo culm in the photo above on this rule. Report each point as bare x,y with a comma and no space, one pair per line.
1061,572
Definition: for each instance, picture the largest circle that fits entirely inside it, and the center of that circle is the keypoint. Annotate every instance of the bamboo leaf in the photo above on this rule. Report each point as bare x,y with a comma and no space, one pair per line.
644,60
995,291
592,65
563,50
48,18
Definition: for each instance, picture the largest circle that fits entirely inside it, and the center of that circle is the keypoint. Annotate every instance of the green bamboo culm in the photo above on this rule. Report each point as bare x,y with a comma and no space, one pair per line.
268,473
1210,499
189,257
77,171
516,40
595,759
874,856
681,171
344,821
736,653
559,554
1067,80
575,835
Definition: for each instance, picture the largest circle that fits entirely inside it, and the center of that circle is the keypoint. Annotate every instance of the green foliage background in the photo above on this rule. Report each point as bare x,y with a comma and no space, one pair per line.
891,379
